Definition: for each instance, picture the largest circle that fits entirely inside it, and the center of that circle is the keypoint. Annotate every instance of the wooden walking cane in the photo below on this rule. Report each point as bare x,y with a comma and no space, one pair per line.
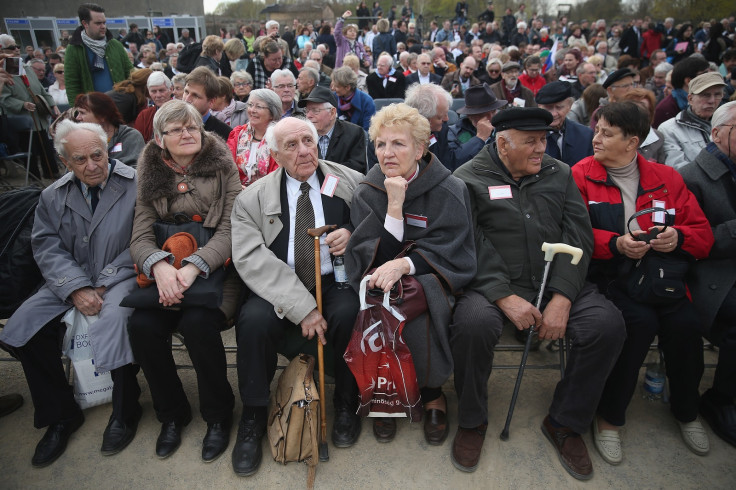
324,454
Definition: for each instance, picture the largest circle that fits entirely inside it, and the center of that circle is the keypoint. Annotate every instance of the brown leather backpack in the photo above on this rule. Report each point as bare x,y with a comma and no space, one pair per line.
293,416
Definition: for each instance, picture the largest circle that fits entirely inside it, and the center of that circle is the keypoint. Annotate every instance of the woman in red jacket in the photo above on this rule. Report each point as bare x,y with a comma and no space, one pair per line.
616,182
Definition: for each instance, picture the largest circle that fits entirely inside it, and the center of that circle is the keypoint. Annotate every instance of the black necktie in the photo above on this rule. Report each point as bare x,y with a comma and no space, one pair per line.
553,149
304,243
94,193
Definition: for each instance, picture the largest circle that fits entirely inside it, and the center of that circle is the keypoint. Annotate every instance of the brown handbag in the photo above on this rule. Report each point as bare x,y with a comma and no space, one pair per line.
293,416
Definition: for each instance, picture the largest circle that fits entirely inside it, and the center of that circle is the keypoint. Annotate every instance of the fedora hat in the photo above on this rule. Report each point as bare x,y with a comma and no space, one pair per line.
480,99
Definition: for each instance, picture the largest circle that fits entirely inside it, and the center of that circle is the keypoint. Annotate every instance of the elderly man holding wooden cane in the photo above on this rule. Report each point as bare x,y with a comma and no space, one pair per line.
274,256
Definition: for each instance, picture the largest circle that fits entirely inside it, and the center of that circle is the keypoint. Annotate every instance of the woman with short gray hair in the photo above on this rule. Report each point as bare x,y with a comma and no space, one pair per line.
184,173
248,143
352,105
242,85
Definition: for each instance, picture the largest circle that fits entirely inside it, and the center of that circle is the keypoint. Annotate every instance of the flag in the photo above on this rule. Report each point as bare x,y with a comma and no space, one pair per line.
551,58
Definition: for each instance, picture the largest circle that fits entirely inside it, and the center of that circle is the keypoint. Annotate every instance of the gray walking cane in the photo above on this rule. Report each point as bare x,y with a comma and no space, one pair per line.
324,454
550,250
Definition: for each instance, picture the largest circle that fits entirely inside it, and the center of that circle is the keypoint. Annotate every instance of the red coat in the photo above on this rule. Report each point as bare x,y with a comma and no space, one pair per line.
651,41
656,182
232,143
533,84
144,123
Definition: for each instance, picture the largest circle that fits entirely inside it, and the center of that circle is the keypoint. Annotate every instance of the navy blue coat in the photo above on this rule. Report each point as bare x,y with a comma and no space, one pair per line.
577,143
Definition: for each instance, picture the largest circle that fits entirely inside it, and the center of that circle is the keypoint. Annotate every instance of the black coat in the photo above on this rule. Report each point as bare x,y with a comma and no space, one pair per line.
414,78
347,146
393,90
218,127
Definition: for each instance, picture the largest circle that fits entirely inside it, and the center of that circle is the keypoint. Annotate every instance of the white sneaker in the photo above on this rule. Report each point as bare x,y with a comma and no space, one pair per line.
608,443
695,437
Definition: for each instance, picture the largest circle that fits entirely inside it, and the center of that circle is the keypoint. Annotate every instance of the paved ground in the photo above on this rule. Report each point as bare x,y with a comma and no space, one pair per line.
655,456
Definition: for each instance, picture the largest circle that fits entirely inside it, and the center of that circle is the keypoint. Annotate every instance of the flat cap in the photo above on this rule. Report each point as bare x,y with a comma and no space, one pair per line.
553,92
616,76
523,119
510,65
319,94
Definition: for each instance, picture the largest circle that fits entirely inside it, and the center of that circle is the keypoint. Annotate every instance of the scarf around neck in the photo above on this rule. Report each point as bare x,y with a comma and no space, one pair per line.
96,46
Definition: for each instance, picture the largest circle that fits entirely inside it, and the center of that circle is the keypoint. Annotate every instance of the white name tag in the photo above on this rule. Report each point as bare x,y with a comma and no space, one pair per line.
500,192
416,220
330,185
432,140
118,147
658,217
519,102
392,79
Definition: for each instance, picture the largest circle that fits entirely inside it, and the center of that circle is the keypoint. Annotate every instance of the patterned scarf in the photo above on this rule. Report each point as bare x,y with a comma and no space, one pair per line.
97,47
226,114
259,80
345,106
249,173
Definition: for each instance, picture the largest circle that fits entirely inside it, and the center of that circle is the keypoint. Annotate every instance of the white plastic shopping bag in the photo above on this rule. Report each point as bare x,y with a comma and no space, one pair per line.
91,387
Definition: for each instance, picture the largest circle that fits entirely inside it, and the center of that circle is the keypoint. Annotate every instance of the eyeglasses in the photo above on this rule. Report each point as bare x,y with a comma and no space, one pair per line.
250,105
317,110
241,84
494,71
12,48
179,132
284,86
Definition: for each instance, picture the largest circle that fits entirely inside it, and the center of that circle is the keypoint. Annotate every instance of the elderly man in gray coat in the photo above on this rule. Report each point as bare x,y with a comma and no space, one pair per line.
712,180
80,240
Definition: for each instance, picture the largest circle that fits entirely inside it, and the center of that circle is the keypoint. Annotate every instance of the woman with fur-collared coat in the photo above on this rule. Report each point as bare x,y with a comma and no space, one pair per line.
185,171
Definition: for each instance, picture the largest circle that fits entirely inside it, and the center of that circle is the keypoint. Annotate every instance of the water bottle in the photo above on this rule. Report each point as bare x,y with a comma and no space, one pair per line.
341,276
655,380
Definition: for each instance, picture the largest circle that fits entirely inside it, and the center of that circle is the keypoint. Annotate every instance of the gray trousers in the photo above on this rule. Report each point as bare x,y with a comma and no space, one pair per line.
596,332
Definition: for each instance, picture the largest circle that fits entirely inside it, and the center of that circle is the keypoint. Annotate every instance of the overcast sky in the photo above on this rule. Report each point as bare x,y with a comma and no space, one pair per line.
209,5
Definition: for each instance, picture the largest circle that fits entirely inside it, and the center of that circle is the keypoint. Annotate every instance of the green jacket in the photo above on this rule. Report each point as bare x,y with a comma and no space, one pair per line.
14,96
76,65
545,207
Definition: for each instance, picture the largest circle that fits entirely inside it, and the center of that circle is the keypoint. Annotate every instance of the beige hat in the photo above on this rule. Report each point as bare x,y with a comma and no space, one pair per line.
706,81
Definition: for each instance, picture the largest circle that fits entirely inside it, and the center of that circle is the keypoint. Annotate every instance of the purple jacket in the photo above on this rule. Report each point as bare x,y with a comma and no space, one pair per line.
343,45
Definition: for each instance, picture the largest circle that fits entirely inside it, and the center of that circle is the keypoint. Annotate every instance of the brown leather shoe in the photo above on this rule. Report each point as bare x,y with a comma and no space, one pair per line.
436,427
467,446
570,449
384,428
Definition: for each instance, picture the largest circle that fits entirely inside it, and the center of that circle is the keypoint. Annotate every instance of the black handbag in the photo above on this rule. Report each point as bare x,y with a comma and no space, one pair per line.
657,278
204,292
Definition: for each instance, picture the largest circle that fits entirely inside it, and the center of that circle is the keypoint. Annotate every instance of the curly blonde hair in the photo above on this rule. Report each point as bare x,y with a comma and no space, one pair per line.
399,116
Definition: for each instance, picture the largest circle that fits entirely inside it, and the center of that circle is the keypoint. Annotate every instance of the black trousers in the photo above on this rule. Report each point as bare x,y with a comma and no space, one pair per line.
260,332
724,381
150,337
596,332
53,398
682,345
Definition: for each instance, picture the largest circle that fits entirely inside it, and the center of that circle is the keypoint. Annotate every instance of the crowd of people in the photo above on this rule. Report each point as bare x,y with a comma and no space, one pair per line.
451,155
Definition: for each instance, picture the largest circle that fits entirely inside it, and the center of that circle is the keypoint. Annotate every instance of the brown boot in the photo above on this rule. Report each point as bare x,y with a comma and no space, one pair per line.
467,446
570,448
384,428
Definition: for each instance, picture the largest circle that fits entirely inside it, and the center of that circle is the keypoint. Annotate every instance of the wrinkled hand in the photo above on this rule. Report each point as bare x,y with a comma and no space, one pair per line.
29,106
337,241
631,248
313,324
484,129
186,276
5,77
396,191
386,275
87,301
522,313
169,289
554,318
101,290
665,241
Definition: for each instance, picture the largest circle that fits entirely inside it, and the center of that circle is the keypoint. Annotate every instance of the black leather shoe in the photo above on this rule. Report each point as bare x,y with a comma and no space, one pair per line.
119,434
384,428
720,416
216,440
169,439
10,403
247,452
53,443
346,429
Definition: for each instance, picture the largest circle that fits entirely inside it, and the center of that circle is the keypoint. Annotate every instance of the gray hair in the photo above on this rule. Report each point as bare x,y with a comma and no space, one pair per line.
241,75
36,60
271,132
425,98
724,114
179,78
663,68
272,23
312,64
158,78
278,73
313,74
67,126
271,99
175,111
345,77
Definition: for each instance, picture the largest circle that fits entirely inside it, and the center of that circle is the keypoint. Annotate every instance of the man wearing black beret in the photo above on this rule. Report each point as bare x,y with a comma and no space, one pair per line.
568,141
520,198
